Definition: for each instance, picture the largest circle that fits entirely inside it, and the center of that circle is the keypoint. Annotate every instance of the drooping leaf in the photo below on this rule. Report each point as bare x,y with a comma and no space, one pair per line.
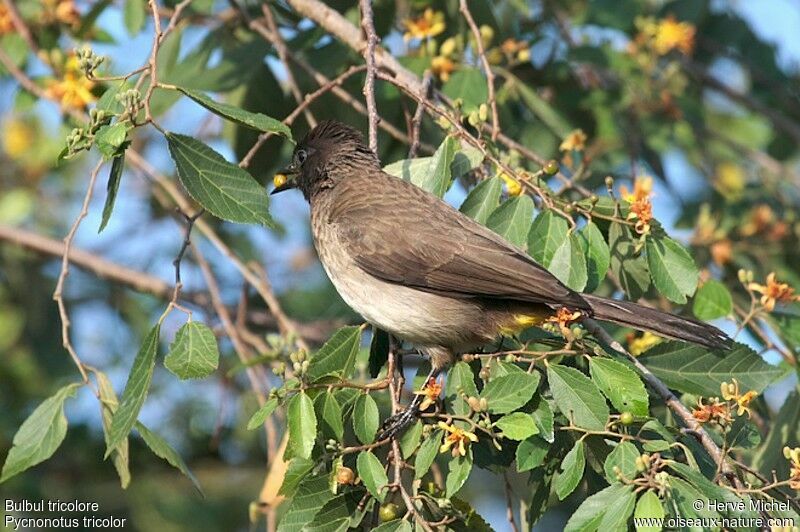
372,474
338,356
568,263
577,397
621,385
397,525
134,16
712,301
460,380
459,470
648,510
530,453
257,121
512,220
672,269
222,188
694,369
162,449
194,353
483,199
629,268
110,403
571,470
135,390
543,417
308,500
302,421
509,392
261,415
330,415
593,509
469,84
114,178
296,471
366,418
623,457
427,453
39,435
434,174
619,512
410,440
109,139
548,232
517,426
598,255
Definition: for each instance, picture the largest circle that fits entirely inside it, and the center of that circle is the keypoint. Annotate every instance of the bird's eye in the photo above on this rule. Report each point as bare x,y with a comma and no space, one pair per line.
301,156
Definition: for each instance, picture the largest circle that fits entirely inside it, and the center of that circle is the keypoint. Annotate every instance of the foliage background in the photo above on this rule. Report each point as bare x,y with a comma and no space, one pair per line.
716,127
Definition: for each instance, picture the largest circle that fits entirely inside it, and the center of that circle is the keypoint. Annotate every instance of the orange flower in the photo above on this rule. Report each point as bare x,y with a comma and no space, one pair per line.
442,66
773,292
430,24
457,438
563,318
671,35
431,392
575,140
74,89
793,455
641,208
713,411
642,189
6,25
721,252
67,13
730,392
761,217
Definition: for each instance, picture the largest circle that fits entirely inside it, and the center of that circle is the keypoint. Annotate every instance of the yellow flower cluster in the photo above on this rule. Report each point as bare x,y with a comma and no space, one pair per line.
575,140
429,24
773,292
457,439
430,392
720,412
641,208
793,455
665,35
73,90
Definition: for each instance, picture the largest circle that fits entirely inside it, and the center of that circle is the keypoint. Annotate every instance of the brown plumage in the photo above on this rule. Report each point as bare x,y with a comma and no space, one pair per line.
418,268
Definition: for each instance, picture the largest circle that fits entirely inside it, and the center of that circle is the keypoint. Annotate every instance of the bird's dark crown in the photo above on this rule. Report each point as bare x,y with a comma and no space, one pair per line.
329,153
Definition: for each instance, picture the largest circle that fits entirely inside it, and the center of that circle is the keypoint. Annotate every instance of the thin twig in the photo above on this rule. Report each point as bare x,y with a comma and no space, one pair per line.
416,121
476,33
369,83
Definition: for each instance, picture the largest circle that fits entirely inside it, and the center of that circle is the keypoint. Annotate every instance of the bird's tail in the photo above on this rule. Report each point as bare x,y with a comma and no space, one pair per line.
656,321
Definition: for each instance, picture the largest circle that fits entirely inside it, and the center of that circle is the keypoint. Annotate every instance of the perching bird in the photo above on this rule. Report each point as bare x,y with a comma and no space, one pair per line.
419,269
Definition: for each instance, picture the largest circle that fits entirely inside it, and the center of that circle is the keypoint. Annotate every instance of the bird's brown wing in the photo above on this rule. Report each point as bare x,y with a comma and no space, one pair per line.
401,234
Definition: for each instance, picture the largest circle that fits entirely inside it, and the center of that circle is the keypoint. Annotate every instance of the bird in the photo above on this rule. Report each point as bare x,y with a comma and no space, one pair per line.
419,269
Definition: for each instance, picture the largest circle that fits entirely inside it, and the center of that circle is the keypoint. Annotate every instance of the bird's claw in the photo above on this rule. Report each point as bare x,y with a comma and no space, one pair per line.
399,422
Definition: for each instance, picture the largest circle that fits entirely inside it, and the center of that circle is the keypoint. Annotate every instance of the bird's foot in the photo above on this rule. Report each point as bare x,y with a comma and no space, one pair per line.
399,422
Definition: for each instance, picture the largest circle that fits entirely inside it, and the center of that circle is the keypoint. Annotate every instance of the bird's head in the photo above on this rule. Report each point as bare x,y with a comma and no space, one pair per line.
329,153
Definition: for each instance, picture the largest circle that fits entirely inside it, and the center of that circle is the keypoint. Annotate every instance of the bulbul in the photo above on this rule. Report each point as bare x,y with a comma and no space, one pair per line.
419,269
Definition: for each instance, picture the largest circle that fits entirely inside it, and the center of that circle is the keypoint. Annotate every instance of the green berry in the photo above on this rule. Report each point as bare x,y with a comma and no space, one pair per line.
551,168
626,418
388,512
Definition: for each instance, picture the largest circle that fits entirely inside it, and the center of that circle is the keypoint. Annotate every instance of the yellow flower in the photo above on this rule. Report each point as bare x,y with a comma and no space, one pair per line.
641,208
279,180
448,46
512,185
713,411
793,455
642,189
430,24
575,140
457,438
671,34
18,137
431,392
773,292
640,344
730,392
73,90
730,179
442,67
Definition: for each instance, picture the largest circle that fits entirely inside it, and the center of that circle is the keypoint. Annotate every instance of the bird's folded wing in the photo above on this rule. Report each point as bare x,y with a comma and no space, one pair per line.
426,244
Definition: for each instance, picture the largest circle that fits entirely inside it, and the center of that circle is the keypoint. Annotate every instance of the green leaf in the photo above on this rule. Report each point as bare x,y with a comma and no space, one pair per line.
261,415
624,457
655,446
109,139
114,178
512,220
783,431
460,380
193,353
337,514
469,84
592,509
331,415
40,434
108,101
569,263
433,174
410,439
530,453
571,471
427,453
302,423
621,385
543,110
547,233
312,494
397,525
134,16
483,199
744,434
372,474
366,418
458,473
619,512
297,471
672,268
649,508
509,392
257,121
577,397
543,417
517,426
712,301
135,390
162,449
338,356
598,255
693,369
108,399
630,269
222,188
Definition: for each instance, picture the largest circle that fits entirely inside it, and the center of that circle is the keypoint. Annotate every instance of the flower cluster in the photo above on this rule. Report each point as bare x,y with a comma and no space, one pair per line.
665,35
564,317
641,209
721,413
429,24
73,90
457,439
430,393
773,292
6,24
793,455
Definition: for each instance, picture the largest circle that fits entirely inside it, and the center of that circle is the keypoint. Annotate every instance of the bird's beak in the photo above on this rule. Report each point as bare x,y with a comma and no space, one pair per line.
285,179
